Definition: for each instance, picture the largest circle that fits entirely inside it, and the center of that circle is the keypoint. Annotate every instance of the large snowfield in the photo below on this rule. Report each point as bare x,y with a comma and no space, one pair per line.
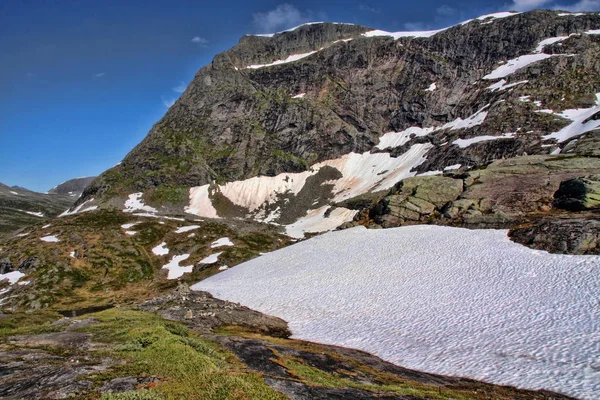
444,300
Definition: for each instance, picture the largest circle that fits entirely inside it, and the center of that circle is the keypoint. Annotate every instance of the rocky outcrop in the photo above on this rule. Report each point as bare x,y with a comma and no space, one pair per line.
417,199
576,235
578,194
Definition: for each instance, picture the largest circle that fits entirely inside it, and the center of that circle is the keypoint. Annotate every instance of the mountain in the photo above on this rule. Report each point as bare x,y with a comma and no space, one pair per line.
20,207
72,187
296,128
492,123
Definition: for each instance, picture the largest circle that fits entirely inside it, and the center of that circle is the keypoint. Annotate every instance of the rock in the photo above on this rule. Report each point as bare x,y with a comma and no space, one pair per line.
119,385
71,340
578,194
5,266
564,236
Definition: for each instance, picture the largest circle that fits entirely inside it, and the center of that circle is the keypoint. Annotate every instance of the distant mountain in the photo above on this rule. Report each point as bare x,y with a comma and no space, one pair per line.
72,187
20,207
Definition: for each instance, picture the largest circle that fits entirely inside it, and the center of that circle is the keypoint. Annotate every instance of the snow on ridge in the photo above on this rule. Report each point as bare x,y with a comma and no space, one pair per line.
503,313
464,143
402,34
577,126
493,16
299,26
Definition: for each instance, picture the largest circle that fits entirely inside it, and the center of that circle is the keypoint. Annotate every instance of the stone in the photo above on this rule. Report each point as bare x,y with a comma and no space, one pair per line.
578,194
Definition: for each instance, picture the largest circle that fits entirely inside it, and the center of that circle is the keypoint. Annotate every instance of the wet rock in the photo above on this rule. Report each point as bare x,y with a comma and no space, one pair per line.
578,194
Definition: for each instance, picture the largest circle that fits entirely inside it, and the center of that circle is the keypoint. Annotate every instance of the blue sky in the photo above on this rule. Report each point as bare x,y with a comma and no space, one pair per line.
82,81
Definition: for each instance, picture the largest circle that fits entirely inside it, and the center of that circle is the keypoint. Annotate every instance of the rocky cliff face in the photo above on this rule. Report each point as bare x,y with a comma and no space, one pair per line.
280,128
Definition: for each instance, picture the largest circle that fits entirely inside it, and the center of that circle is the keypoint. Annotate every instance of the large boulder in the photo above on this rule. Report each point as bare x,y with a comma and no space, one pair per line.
578,194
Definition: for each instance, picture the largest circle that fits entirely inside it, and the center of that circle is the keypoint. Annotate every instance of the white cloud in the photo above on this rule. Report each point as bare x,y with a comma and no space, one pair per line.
179,88
368,8
581,5
284,16
100,75
167,102
200,41
445,10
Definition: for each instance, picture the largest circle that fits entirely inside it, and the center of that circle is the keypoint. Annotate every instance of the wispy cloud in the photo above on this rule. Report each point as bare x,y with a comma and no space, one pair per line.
200,41
100,75
167,102
368,8
284,16
446,10
180,88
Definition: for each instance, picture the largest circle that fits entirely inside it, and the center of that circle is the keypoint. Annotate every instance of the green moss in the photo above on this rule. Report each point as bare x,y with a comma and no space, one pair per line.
285,156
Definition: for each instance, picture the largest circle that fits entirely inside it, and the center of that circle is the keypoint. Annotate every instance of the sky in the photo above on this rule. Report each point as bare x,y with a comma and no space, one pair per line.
83,81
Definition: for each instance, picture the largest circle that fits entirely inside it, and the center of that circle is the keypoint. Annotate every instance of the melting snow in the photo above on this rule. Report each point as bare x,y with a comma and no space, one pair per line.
221,242
161,249
397,139
213,258
12,277
463,143
593,32
501,85
223,267
452,167
289,59
299,96
130,233
549,41
129,226
438,299
46,226
49,239
80,209
135,203
35,214
431,87
473,120
315,221
187,228
175,270
398,35
578,126
513,65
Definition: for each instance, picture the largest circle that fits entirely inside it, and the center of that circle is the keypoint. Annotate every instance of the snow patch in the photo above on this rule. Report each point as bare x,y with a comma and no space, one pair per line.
12,277
187,228
316,221
501,85
80,209
221,242
175,270
289,59
403,34
299,96
130,233
49,239
579,126
452,167
213,258
129,226
443,300
463,143
15,193
135,203
161,249
431,87
514,65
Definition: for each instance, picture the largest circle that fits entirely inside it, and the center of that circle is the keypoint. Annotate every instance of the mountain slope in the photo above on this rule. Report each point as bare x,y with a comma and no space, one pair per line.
72,187
281,128
21,207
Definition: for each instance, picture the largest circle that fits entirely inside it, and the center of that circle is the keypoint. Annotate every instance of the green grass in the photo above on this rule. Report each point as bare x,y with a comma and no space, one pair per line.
189,367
